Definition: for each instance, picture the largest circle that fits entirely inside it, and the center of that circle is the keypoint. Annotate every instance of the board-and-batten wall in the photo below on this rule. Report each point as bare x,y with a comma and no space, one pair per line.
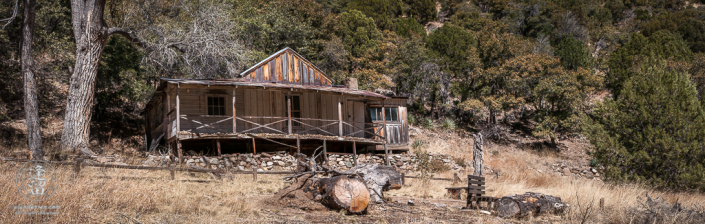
252,102
289,68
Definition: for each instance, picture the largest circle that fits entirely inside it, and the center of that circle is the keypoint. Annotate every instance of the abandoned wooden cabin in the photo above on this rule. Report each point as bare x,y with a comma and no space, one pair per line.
282,103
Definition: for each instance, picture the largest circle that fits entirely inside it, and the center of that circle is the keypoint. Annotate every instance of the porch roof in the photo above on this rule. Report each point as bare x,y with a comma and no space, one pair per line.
242,82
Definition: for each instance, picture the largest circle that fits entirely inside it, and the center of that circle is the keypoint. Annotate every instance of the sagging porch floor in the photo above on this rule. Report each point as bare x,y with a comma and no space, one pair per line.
183,135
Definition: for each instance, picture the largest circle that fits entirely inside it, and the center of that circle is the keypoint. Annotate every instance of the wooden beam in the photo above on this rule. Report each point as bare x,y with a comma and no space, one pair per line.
354,154
254,136
384,128
165,123
298,145
340,118
254,148
178,148
178,115
234,114
325,152
217,142
288,108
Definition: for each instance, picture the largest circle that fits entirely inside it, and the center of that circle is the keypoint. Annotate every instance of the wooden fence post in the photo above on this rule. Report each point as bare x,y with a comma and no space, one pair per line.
254,172
217,142
325,152
298,146
288,108
254,148
172,169
77,168
354,154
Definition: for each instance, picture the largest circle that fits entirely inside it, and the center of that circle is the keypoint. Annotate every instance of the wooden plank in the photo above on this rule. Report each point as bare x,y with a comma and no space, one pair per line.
265,68
386,151
217,142
473,187
279,70
354,154
178,114
234,112
472,177
340,118
476,192
476,182
288,109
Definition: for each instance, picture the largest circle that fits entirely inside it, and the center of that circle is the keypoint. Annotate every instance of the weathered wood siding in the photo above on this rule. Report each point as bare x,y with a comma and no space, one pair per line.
194,110
288,67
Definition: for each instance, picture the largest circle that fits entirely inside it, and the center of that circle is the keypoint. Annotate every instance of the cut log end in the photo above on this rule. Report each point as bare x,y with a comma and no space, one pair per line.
341,192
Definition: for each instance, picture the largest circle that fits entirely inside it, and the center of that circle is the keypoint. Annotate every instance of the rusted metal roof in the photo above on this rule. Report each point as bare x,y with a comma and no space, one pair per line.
242,82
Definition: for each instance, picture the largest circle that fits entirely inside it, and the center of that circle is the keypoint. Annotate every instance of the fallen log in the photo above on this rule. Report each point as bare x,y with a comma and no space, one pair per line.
379,178
342,192
522,205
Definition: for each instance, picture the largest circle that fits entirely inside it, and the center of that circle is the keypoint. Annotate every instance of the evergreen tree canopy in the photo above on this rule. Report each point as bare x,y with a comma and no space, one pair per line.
453,45
662,44
359,33
573,53
382,11
652,132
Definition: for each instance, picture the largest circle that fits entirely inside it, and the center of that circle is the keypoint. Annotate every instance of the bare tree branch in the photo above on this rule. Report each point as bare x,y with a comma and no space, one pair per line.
14,15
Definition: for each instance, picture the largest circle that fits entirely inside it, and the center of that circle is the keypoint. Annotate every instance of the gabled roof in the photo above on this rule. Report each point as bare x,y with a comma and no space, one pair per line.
289,67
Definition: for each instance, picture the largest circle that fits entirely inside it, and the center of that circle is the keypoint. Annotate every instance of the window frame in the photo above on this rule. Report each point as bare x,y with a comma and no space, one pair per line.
377,116
224,106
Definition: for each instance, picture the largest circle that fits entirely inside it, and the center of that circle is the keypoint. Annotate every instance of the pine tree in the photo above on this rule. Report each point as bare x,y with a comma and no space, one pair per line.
652,132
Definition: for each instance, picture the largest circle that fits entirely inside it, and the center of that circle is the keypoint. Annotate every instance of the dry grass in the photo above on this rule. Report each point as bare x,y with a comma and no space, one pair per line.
90,199
518,173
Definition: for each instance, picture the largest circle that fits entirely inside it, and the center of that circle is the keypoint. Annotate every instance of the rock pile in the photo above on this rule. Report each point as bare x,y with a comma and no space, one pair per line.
283,161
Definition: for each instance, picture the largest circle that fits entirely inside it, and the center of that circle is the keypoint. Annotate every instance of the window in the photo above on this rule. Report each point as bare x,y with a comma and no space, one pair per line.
390,114
295,109
216,105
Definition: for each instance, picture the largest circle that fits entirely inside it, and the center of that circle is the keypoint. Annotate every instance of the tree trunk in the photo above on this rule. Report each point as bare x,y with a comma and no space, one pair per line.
31,105
91,36
341,192
528,203
478,157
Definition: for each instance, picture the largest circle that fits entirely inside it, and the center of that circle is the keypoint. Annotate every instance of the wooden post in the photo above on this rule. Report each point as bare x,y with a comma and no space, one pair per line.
354,154
298,146
172,169
234,114
167,109
77,168
254,149
178,148
217,143
254,172
386,137
288,108
178,114
325,152
340,118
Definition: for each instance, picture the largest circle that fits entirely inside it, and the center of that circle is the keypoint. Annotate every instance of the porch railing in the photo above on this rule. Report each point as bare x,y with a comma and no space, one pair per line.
279,125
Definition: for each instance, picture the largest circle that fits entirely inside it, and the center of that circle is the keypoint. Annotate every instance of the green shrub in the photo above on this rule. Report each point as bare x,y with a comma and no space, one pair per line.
427,124
594,163
411,119
653,132
418,143
448,124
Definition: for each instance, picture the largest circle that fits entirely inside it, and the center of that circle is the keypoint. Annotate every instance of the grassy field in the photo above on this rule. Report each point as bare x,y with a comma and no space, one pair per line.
101,195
